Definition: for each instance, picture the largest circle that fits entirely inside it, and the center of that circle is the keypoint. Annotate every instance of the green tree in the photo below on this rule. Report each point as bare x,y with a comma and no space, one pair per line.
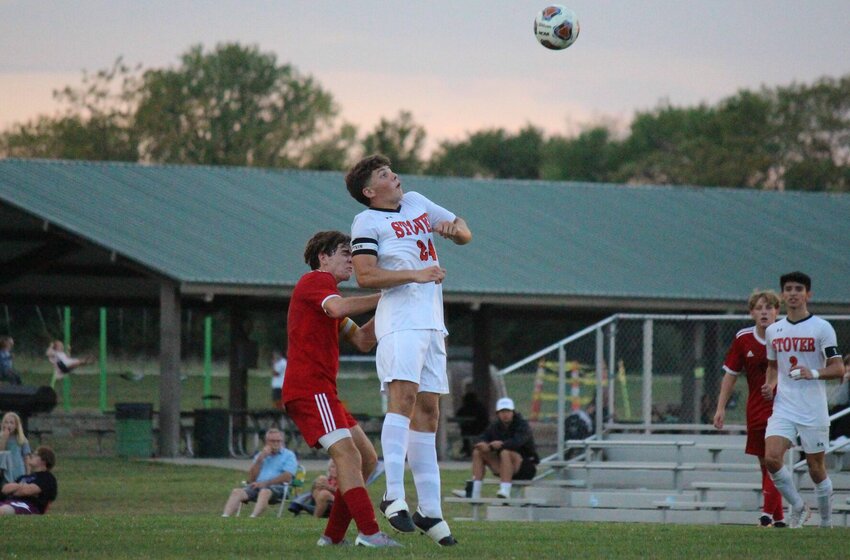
811,126
96,123
587,157
401,140
234,105
332,153
493,154
724,145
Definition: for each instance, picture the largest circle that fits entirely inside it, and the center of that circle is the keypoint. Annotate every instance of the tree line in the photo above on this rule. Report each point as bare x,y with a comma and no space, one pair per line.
237,105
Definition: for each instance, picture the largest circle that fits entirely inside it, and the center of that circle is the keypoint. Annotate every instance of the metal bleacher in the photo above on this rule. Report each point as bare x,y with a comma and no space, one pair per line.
660,478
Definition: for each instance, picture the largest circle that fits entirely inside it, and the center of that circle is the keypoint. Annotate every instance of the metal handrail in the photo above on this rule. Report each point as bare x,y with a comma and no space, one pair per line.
572,338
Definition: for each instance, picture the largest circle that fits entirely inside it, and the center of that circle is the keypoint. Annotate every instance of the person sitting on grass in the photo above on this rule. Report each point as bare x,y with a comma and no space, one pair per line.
13,440
323,491
273,468
507,447
31,494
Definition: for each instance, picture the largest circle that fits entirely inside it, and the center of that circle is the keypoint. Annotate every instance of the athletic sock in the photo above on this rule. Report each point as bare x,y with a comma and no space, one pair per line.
823,491
505,489
476,488
357,500
339,519
422,458
394,437
772,497
785,484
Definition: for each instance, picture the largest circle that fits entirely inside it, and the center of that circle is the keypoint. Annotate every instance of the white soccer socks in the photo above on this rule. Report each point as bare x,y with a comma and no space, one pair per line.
476,488
422,458
785,484
505,489
394,441
823,491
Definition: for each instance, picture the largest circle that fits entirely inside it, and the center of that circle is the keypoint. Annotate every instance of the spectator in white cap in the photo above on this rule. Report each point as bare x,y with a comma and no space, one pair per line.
507,447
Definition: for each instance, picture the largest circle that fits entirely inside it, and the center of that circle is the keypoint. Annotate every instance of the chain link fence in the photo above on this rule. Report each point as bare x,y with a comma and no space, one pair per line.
651,373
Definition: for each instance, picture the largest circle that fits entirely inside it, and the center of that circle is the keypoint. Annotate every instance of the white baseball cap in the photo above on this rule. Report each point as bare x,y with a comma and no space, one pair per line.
504,404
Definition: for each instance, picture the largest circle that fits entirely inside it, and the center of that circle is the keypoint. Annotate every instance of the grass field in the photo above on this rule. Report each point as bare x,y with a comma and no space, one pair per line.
111,508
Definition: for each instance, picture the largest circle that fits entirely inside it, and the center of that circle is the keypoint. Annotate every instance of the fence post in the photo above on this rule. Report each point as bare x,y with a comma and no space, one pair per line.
207,361
612,365
562,397
102,359
600,363
66,381
647,375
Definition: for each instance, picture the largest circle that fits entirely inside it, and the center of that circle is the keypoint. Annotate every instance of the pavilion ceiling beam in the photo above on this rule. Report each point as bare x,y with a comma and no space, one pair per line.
36,260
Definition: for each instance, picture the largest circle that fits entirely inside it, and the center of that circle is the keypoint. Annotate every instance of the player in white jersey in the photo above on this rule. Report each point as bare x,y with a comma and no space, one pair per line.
802,352
393,250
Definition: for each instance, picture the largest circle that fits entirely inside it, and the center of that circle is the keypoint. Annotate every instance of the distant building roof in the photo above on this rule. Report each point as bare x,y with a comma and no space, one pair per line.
224,230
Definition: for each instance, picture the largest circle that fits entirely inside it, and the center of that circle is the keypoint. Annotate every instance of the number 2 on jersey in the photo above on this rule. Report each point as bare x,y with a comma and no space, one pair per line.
426,252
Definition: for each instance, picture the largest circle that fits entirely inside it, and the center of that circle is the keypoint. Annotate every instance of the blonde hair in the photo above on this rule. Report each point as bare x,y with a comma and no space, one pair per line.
769,296
19,428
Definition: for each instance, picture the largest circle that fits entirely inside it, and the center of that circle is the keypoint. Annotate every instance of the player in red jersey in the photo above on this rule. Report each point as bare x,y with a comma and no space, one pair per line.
317,316
748,355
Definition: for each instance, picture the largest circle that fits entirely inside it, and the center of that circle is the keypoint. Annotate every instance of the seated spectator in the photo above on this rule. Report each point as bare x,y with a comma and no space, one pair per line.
7,372
472,419
278,369
323,491
63,364
273,468
507,447
31,494
13,463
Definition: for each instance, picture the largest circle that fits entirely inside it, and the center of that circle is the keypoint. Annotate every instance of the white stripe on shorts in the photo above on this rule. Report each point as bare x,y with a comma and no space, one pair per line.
328,422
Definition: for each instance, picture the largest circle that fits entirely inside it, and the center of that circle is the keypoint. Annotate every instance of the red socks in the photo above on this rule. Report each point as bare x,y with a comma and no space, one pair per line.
353,504
772,497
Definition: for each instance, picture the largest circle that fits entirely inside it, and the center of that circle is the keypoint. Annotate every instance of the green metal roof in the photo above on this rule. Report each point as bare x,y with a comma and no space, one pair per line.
538,240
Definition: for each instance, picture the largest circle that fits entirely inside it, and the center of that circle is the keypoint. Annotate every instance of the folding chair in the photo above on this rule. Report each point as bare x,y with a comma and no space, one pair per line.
290,490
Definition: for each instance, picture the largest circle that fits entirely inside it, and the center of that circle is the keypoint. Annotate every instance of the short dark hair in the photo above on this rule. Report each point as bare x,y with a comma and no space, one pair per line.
796,276
323,243
47,455
358,176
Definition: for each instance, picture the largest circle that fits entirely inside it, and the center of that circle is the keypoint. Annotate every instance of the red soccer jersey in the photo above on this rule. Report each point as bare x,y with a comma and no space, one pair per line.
313,354
748,354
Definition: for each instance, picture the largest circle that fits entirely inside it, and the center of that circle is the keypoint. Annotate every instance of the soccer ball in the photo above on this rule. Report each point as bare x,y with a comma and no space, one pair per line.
556,27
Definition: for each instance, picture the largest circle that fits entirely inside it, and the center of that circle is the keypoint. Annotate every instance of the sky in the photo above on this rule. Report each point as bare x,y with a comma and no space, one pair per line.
459,66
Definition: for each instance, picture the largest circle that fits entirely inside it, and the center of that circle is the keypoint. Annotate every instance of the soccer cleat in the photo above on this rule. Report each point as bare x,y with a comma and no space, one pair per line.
378,540
780,524
435,528
765,521
398,514
503,496
799,517
325,540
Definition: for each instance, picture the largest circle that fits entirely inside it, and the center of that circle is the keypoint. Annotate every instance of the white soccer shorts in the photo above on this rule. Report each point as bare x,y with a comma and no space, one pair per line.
814,439
414,355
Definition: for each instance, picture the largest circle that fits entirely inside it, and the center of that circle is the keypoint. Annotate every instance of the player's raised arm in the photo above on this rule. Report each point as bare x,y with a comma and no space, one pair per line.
370,275
458,231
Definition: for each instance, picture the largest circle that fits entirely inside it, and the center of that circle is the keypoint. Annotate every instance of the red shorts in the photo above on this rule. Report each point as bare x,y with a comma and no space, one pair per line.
319,415
755,441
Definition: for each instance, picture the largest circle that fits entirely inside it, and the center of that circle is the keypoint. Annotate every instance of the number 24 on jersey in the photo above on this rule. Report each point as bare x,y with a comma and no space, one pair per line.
426,252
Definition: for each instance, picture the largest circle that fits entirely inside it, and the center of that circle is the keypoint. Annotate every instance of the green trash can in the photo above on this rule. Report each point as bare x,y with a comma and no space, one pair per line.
134,429
212,428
